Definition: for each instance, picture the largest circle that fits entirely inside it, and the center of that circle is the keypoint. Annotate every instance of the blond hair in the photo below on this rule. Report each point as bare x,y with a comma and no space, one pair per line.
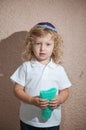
28,54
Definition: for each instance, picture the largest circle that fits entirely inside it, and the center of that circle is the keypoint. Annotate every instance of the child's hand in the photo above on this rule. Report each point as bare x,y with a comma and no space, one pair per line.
61,98
54,103
42,103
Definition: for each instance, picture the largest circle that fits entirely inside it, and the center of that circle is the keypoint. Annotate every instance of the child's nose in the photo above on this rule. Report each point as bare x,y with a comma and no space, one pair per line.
42,47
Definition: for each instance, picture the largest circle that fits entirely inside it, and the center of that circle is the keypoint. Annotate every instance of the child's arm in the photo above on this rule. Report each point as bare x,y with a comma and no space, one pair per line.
61,98
20,94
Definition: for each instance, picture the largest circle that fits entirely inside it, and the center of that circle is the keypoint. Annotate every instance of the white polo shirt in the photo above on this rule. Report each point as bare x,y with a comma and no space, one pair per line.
35,77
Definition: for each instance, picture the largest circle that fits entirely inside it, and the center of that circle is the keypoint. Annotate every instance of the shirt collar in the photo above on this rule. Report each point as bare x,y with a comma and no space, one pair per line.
51,64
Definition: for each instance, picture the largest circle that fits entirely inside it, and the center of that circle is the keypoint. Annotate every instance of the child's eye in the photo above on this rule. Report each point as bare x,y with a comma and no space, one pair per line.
37,43
48,44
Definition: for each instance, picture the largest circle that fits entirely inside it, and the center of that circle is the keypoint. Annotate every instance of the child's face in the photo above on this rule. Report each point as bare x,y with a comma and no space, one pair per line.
43,48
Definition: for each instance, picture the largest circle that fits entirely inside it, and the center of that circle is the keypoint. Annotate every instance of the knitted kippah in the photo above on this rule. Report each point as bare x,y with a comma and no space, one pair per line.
47,25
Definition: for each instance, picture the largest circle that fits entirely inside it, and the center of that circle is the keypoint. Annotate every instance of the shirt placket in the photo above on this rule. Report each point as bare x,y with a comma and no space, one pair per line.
43,76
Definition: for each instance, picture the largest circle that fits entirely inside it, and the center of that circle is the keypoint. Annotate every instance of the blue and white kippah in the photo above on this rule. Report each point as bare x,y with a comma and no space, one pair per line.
47,25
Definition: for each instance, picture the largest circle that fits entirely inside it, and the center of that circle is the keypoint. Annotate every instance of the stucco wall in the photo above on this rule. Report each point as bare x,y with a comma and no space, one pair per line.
69,17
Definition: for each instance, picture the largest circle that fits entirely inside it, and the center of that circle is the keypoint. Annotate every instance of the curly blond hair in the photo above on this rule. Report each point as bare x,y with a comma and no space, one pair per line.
28,54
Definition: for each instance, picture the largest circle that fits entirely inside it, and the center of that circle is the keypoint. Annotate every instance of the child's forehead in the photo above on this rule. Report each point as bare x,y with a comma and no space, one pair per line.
47,38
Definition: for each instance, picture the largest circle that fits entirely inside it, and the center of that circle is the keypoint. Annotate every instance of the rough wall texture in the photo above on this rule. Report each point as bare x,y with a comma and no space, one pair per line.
16,18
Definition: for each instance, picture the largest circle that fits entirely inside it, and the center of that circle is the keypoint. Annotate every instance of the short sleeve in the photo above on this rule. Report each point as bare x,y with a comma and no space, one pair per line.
64,81
19,75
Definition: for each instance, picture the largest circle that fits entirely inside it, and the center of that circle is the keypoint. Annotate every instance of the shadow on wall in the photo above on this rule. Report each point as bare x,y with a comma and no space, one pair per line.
10,58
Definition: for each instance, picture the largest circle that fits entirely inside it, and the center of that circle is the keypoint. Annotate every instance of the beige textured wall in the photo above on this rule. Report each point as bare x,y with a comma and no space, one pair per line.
69,16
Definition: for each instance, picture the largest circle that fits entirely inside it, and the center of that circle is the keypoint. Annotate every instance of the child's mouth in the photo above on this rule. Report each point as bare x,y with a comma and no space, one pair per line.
42,54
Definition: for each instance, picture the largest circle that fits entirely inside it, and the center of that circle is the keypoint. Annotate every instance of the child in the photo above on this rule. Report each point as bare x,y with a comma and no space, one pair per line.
41,71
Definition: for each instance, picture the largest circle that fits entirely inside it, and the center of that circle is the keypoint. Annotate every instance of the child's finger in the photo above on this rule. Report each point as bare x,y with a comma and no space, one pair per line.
43,103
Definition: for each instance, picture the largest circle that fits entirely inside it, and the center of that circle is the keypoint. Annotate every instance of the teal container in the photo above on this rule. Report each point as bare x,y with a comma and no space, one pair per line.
49,95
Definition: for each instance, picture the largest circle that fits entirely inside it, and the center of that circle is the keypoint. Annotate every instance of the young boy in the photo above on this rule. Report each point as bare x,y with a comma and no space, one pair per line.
41,71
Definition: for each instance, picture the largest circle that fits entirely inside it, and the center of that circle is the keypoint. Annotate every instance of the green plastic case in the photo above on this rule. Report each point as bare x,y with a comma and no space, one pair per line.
47,94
